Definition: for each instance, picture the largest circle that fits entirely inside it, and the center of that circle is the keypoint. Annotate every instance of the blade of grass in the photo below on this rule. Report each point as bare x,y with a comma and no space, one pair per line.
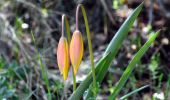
112,49
131,66
133,92
43,69
167,88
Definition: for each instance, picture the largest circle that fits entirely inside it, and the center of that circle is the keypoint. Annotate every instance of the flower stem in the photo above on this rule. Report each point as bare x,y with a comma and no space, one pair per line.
62,25
74,80
89,44
64,18
43,70
77,17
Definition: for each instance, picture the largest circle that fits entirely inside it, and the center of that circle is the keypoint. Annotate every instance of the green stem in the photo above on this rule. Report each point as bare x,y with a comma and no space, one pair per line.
89,43
45,76
74,80
68,37
44,71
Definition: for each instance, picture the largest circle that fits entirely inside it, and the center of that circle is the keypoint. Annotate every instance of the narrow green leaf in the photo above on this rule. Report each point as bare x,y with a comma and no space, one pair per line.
103,64
43,70
115,44
123,31
133,92
131,66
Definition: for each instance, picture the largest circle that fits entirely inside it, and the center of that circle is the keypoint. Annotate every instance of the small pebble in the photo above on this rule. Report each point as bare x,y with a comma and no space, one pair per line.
165,41
25,26
133,46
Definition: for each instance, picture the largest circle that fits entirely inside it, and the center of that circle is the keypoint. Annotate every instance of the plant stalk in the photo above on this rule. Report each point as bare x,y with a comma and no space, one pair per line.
62,25
89,43
44,71
74,80
64,18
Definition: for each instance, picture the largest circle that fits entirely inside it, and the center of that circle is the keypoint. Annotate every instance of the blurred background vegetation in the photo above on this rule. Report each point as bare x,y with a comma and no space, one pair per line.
21,20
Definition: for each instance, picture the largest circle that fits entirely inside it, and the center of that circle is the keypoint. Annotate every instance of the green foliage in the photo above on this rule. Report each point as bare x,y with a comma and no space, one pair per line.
18,26
131,66
5,91
117,3
167,88
111,51
133,92
153,66
10,76
43,70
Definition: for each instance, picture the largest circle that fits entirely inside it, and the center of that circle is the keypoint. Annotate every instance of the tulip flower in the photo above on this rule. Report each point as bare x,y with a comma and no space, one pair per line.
76,50
63,57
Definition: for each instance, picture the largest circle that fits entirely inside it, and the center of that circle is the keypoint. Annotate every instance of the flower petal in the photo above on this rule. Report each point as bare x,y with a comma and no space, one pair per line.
63,57
76,50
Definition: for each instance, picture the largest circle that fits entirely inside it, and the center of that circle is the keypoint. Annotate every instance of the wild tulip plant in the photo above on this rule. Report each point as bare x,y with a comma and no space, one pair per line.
63,54
74,49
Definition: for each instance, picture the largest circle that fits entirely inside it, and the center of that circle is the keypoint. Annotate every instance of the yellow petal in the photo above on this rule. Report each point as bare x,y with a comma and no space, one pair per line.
76,50
63,57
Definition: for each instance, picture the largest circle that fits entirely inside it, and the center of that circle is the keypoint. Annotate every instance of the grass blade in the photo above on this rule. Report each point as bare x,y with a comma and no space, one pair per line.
131,66
133,92
43,70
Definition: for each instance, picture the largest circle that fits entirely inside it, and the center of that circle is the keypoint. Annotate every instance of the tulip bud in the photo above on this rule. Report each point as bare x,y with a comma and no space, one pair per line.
76,50
63,57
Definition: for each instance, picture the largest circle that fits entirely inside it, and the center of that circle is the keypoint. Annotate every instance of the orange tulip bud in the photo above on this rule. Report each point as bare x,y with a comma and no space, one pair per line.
63,57
76,50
